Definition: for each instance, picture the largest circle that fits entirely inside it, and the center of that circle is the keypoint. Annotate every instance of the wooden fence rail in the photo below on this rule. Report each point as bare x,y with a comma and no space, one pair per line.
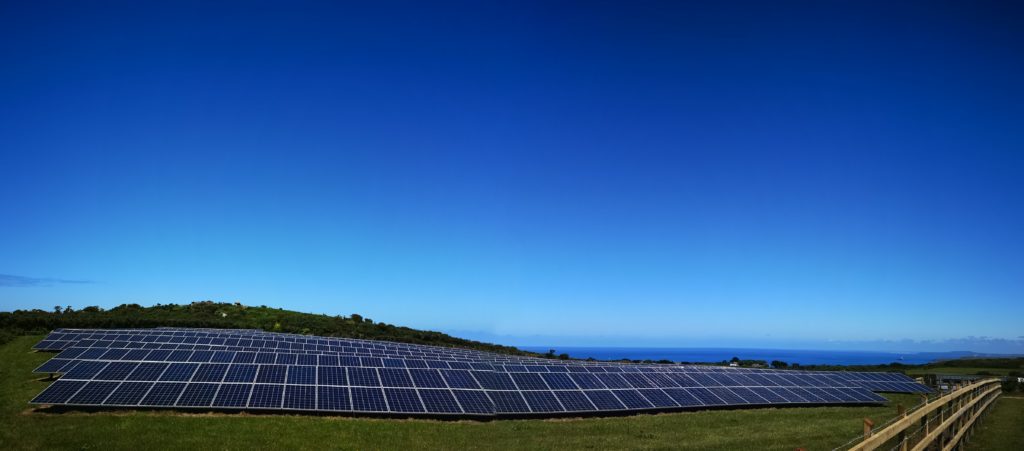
954,413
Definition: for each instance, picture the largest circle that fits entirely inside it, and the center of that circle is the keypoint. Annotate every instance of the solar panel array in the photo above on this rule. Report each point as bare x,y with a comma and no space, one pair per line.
253,370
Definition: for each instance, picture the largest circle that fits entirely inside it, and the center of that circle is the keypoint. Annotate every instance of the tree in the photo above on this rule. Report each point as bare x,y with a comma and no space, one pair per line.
56,309
357,317
735,360
779,364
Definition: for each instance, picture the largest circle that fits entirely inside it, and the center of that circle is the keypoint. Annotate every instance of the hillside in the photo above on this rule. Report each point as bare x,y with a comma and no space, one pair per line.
226,315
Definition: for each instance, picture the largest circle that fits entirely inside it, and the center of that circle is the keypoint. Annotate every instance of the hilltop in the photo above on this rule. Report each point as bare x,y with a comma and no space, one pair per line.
229,316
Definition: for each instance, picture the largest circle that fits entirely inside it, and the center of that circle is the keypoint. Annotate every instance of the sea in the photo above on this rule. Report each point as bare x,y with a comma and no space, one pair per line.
710,355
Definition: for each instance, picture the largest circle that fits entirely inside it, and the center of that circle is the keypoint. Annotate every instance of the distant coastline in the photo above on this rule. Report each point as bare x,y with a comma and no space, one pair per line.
710,355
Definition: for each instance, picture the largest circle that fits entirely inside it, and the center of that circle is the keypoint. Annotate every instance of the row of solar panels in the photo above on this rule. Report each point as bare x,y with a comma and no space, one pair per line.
426,400
218,378
202,353
70,357
63,338
403,377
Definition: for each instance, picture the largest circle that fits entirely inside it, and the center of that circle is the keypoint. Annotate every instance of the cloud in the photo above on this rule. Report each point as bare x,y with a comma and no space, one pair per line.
7,280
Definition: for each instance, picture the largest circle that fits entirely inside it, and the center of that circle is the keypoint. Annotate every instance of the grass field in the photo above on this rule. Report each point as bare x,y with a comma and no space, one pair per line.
958,370
1002,428
26,428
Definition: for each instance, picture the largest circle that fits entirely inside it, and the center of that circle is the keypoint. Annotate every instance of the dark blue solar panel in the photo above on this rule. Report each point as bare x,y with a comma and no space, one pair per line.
332,375
266,396
271,374
769,395
748,395
508,402
244,357
788,395
542,401
424,378
604,400
178,356
333,398
179,372
222,357
302,397
705,396
683,397
587,381
366,377
657,397
302,375
163,394
661,380
93,393
265,358
810,397
439,401
286,359
403,400
201,356
558,381
437,364
349,361
394,363
93,353
85,370
632,399
821,394
528,381
370,362
59,392
210,372
114,354
613,380
395,377
148,371
475,402
574,401
233,395
727,395
368,399
116,371
52,365
307,359
638,380
494,381
241,373
460,379
328,360
128,394
158,355
197,395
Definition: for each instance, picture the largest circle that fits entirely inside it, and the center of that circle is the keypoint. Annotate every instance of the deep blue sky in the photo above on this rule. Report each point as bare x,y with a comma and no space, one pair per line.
819,174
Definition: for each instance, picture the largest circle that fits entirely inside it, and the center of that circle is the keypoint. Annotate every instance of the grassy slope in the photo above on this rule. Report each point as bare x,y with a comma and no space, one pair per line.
24,428
1002,428
957,370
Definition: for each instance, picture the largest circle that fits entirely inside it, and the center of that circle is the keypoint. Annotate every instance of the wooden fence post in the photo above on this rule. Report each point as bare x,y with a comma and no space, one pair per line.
867,427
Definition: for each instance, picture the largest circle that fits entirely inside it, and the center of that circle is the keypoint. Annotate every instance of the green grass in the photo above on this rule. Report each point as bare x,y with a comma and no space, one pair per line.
1002,428
26,428
957,370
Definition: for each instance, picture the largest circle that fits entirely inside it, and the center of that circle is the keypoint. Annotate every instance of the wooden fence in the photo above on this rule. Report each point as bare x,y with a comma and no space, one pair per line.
941,423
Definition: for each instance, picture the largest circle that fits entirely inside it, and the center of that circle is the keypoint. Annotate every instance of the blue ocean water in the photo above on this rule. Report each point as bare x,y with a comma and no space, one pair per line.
803,357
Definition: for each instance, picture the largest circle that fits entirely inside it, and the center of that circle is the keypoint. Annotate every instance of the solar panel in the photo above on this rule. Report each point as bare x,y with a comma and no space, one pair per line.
210,368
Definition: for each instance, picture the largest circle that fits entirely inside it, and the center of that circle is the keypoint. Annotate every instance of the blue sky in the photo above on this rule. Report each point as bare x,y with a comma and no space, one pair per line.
819,174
